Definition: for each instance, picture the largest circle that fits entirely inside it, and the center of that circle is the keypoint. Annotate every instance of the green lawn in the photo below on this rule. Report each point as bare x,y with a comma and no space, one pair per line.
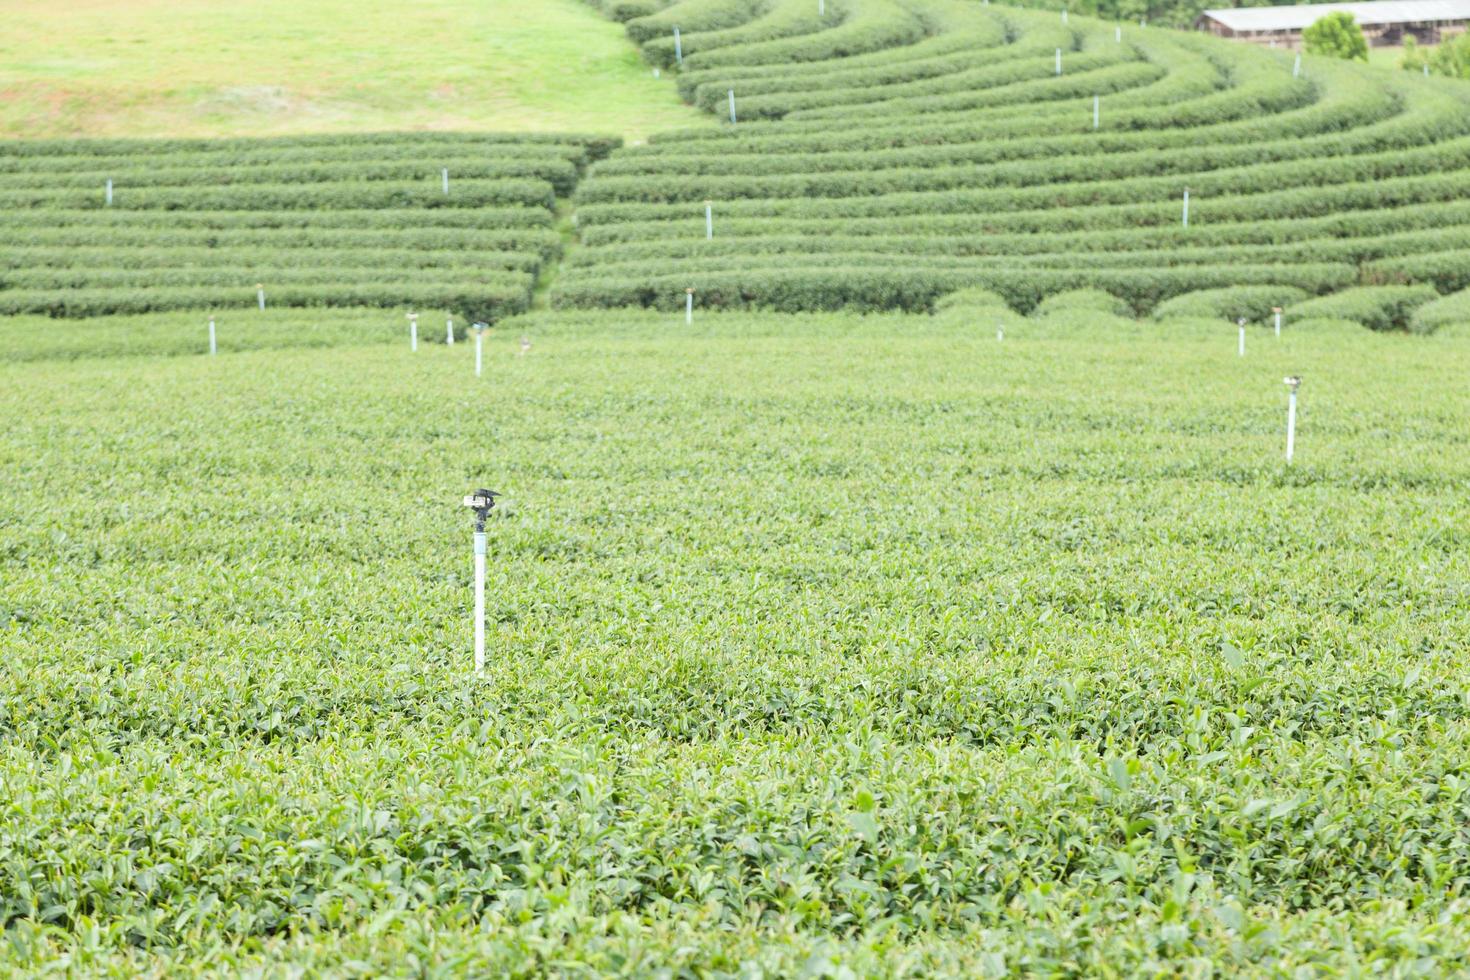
257,67
814,639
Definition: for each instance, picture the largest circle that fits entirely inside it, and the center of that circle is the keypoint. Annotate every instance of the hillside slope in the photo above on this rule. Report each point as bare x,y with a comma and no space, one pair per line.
891,151
264,67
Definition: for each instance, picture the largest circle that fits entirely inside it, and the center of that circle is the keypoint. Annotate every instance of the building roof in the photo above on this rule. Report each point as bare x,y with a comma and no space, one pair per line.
1304,15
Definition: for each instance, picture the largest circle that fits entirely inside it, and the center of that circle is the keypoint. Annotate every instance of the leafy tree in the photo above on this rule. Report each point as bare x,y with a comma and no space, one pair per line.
1336,35
1452,58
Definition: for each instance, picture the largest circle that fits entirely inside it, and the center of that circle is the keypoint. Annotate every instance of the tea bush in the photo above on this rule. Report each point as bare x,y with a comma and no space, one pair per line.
816,642
862,143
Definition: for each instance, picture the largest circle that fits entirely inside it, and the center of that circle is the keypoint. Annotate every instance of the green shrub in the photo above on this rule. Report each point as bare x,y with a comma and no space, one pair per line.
971,299
1440,313
1375,307
1336,35
1230,303
1094,300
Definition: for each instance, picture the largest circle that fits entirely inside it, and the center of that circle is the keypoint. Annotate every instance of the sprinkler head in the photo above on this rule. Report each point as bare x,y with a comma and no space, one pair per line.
1240,321
1275,309
1293,382
479,326
481,501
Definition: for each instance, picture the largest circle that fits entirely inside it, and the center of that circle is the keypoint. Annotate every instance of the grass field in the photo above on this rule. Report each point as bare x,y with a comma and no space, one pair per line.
814,640
264,67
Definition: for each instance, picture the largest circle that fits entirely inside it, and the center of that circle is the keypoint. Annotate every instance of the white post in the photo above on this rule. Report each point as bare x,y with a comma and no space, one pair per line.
1064,15
1143,22
678,47
709,220
413,331
821,8
688,306
479,349
1186,207
479,603
109,192
1241,347
1096,111
1059,61
1426,69
449,332
260,295
732,107
1296,69
212,348
445,175
1118,33
1276,312
1292,383
1000,331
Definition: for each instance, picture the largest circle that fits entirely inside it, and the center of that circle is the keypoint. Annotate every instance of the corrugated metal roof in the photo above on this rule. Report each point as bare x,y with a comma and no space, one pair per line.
1379,12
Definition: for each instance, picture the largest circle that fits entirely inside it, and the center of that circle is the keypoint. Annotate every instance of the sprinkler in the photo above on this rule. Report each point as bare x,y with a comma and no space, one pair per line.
481,501
479,329
1292,384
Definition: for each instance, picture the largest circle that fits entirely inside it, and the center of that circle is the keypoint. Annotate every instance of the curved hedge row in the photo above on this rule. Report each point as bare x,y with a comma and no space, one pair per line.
896,149
319,221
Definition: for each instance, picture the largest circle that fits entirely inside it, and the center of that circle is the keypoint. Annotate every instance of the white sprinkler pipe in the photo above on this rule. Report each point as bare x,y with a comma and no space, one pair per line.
413,331
449,332
1292,383
479,603
709,220
688,306
212,348
1241,324
1276,312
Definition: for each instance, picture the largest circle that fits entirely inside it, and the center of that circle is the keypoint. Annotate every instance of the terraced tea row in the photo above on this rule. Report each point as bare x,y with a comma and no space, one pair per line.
456,221
886,152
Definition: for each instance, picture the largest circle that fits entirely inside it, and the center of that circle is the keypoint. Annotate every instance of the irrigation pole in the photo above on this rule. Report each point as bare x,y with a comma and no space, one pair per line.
1292,384
109,192
688,306
1276,314
1240,323
445,174
732,107
479,329
1059,61
1186,207
481,501
260,295
1096,111
413,331
709,220
212,348
449,332
678,48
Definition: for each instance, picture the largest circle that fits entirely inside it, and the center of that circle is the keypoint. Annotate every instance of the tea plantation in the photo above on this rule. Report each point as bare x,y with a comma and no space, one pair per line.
929,596
893,150
458,220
